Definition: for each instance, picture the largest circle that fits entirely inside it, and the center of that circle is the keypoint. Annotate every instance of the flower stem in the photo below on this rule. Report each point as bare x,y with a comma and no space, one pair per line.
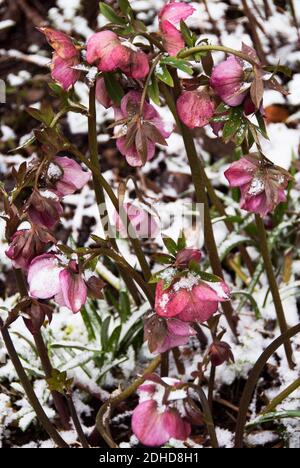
98,188
41,415
274,288
217,48
198,176
103,416
58,400
77,425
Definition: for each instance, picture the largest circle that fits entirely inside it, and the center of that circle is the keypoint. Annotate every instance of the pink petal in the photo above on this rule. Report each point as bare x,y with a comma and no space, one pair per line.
177,427
195,109
61,43
102,95
43,276
142,222
175,12
149,426
173,40
74,290
62,71
131,154
137,66
240,173
106,50
227,79
73,179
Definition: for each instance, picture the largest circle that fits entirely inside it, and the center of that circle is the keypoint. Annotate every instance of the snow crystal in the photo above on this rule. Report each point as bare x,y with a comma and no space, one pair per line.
261,438
257,186
187,282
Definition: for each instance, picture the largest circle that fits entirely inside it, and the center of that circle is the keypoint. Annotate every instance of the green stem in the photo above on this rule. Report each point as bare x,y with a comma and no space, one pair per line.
198,176
120,210
207,48
98,188
281,396
58,400
41,415
264,248
77,425
104,414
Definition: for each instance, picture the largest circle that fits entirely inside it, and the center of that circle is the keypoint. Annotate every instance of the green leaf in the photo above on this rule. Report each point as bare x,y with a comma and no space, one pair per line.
187,34
163,258
113,87
262,125
104,333
180,64
251,300
241,132
88,324
59,381
209,277
274,416
124,6
181,242
234,122
171,245
279,69
124,306
163,74
153,91
110,14
114,339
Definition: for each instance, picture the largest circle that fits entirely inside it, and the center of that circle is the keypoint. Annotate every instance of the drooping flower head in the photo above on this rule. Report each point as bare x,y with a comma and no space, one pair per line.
163,334
195,108
48,278
65,57
142,222
262,184
160,416
189,298
108,53
66,176
227,80
137,135
102,95
220,352
169,16
27,244
44,208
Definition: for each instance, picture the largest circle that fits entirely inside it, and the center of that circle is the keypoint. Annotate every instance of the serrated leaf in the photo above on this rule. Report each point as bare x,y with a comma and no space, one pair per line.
110,14
233,124
180,64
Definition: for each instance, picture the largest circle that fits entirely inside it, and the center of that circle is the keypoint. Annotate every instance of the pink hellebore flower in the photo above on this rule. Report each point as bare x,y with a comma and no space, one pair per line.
154,420
195,108
65,57
262,184
227,81
66,176
153,128
170,15
142,222
109,54
48,279
164,334
190,299
27,244
44,208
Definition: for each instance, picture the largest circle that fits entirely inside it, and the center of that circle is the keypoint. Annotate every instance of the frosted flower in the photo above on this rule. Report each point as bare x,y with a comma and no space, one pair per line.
48,279
157,418
44,209
66,176
190,299
262,184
